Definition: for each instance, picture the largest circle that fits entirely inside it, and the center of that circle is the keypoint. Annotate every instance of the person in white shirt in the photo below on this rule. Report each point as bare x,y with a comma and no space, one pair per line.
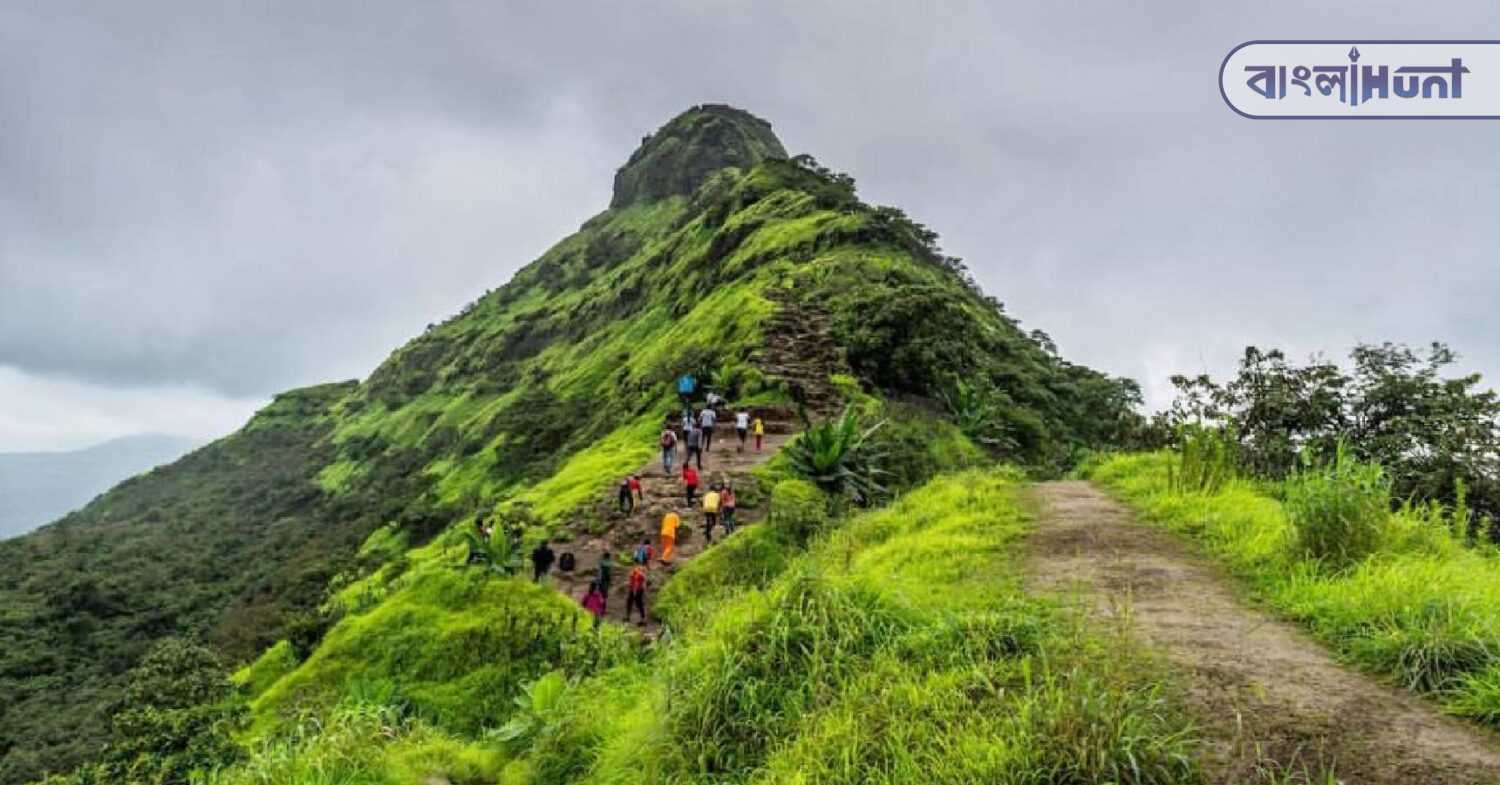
706,421
742,426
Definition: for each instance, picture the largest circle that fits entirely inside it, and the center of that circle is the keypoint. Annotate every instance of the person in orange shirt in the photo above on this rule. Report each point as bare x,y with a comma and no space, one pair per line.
669,524
636,593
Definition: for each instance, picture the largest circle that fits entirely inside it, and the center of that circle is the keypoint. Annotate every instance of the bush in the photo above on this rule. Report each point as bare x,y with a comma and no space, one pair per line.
1338,511
798,510
1206,459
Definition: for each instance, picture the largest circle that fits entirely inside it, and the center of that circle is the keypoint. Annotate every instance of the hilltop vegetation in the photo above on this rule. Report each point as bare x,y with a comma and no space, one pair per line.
332,520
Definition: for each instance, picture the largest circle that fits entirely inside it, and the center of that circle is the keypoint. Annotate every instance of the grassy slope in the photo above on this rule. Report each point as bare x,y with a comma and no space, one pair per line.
899,648
1423,611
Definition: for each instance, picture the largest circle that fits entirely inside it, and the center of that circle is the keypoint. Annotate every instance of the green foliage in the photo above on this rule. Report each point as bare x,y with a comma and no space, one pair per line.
799,511
536,706
1206,459
1338,509
258,676
176,719
840,458
1419,608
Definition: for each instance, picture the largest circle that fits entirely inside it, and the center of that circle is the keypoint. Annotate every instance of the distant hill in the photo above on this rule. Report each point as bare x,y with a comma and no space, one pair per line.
40,487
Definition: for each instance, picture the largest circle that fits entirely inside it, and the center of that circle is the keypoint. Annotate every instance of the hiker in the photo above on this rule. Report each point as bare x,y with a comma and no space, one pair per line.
759,428
668,449
726,509
541,561
690,483
626,498
710,513
603,576
714,400
741,426
694,442
707,420
686,386
594,602
635,593
669,523
635,485
644,553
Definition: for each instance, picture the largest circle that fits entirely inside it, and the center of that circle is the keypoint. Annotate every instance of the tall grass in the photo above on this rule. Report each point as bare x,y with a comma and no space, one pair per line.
1409,603
1206,459
1338,509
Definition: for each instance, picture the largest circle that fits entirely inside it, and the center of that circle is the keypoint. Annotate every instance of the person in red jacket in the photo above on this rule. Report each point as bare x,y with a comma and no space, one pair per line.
690,480
635,598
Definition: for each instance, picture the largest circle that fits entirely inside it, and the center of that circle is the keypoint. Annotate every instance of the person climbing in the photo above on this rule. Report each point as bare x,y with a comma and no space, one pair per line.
694,442
541,561
714,400
635,485
669,523
594,602
644,553
626,498
687,384
604,574
710,514
706,420
759,427
635,593
726,509
668,449
741,426
690,483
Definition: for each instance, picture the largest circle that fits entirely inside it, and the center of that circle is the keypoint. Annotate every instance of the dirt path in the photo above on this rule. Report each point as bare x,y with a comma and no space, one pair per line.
616,532
1261,690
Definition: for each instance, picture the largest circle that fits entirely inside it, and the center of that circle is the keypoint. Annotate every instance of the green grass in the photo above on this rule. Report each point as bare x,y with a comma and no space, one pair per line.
1420,609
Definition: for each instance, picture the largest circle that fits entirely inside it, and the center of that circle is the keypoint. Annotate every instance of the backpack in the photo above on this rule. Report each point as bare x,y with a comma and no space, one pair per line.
567,562
642,553
668,438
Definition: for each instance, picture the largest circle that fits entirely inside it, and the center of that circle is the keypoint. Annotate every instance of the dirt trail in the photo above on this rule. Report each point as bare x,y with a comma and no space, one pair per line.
621,532
1261,690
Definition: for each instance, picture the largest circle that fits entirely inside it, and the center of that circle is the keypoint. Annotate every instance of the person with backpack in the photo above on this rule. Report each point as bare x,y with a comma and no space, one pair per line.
626,499
635,593
644,553
669,524
706,421
726,509
759,427
594,602
714,400
690,483
635,487
602,577
668,449
694,443
710,513
541,561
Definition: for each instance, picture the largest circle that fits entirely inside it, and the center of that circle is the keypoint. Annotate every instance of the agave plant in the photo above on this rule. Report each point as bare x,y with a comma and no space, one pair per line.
840,458
977,415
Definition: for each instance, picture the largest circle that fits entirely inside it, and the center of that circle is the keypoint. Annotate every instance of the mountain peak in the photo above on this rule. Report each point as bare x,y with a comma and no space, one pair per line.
691,146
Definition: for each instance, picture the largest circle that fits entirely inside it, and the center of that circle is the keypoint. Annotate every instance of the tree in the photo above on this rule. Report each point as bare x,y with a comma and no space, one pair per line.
176,718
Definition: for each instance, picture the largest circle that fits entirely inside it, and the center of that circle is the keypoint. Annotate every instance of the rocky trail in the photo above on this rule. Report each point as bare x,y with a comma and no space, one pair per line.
618,533
1265,696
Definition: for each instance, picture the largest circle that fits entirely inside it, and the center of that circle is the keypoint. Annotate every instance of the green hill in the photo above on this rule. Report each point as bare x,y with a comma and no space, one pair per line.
329,527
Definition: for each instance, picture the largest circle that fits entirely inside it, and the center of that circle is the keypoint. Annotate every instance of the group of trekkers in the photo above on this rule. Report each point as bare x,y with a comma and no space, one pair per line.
695,434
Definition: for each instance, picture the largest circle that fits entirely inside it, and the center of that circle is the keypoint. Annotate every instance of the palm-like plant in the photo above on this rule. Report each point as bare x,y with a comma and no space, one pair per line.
535,708
840,458
500,552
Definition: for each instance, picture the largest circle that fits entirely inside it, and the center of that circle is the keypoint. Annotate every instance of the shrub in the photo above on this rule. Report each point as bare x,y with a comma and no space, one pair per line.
1338,510
840,458
798,510
1206,459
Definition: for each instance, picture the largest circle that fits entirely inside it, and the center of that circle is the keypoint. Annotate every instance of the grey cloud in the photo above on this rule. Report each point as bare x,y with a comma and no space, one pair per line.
246,197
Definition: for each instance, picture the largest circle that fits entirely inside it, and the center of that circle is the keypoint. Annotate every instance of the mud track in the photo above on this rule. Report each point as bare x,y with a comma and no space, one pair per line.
1263,693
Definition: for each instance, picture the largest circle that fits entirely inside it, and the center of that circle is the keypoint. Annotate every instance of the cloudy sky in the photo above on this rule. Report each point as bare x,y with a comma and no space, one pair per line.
204,203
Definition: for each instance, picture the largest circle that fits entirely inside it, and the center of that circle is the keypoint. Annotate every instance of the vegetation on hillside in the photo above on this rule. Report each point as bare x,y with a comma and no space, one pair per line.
342,508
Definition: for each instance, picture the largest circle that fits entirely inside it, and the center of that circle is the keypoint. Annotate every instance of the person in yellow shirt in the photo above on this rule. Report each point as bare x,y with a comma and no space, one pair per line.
710,513
669,524
759,429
